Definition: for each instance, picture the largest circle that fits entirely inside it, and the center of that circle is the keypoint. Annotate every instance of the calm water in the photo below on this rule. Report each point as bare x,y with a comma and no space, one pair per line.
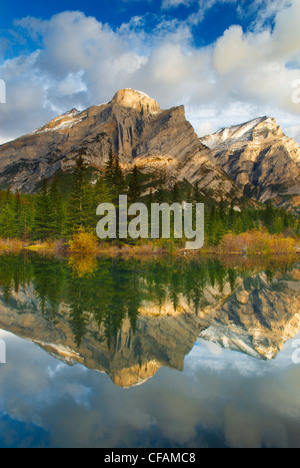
115,353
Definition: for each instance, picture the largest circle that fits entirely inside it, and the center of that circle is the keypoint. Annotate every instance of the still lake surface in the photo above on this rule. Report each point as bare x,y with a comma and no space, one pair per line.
162,353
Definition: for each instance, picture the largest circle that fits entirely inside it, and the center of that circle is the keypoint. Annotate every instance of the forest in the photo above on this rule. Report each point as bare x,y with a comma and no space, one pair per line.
63,206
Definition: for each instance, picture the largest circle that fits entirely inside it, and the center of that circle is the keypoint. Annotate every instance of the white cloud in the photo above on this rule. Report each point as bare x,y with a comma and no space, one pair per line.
203,8
167,4
81,62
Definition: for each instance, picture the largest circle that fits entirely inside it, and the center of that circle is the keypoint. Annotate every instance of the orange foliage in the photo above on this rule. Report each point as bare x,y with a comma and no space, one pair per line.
84,241
258,242
11,245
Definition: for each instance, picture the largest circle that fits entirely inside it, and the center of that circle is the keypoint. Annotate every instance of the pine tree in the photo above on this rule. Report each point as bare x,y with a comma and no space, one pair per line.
269,217
119,181
18,216
196,194
7,222
41,228
110,168
135,189
56,210
211,225
89,205
75,209
176,196
231,217
114,177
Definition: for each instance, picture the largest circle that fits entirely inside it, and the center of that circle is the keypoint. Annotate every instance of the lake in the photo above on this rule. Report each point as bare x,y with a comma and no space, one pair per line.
152,353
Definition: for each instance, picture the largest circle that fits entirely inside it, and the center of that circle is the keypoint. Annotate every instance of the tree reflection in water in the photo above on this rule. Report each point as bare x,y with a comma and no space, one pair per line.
109,291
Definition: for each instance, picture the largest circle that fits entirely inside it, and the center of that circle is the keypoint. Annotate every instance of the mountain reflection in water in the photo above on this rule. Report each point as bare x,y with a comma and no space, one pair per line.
128,318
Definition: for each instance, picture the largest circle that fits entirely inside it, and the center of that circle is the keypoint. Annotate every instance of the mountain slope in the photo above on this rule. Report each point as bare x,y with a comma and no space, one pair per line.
135,127
261,159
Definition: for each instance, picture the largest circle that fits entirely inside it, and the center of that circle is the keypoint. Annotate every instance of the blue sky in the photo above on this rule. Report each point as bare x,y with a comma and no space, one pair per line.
215,21
227,61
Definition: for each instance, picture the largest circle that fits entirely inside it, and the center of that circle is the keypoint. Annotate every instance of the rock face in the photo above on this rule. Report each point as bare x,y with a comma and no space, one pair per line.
254,159
260,159
135,127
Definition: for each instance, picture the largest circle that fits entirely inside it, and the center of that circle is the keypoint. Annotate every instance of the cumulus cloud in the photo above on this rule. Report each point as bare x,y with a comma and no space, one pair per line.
80,62
167,4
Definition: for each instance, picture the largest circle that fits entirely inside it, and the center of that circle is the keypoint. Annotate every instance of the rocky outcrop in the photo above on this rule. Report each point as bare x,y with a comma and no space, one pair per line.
159,142
260,159
254,159
257,318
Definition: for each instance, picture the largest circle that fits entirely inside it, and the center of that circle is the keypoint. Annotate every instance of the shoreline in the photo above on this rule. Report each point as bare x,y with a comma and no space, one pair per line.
60,249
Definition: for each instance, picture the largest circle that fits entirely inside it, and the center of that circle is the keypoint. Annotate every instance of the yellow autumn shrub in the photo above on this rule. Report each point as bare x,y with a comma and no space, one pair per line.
258,242
83,241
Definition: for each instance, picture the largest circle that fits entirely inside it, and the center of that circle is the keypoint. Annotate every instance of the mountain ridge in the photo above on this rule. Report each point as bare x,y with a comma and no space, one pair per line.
134,126
252,160
261,159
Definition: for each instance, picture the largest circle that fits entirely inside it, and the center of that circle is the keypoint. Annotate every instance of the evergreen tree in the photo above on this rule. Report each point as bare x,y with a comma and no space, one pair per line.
110,168
56,210
101,192
135,189
75,209
7,222
197,196
231,218
41,228
269,216
18,215
119,181
175,195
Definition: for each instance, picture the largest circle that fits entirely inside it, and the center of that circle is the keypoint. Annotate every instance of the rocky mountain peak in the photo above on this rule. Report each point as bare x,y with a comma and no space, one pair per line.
161,143
62,122
255,130
261,159
136,100
267,128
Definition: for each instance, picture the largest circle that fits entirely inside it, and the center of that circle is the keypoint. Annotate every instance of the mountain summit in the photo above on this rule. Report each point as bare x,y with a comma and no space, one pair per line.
261,159
254,159
136,100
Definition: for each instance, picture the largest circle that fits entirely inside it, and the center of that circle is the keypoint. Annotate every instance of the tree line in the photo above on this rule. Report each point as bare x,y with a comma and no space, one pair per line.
53,213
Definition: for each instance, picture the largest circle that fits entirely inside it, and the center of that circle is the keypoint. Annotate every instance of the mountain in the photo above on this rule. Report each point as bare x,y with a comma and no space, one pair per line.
254,159
261,159
160,142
